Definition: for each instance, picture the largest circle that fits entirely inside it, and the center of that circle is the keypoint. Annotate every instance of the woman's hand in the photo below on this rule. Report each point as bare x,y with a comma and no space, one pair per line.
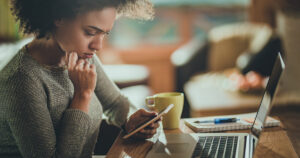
138,118
251,81
83,76
255,80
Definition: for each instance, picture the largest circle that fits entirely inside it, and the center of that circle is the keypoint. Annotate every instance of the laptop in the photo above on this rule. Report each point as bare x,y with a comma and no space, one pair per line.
220,145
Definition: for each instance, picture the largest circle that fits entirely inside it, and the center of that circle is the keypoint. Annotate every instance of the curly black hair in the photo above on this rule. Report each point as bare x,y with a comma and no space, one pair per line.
38,16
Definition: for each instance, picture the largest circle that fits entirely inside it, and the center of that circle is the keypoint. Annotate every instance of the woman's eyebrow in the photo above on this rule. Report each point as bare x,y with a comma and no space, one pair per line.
98,29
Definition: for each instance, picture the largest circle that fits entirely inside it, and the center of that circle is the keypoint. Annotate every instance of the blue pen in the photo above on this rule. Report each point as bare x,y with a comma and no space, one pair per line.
218,120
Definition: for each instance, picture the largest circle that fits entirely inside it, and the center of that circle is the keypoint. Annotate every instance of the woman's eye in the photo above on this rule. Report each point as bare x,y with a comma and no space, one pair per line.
89,33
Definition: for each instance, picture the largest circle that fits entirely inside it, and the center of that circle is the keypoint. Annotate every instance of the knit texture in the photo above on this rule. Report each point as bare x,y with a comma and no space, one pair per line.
35,118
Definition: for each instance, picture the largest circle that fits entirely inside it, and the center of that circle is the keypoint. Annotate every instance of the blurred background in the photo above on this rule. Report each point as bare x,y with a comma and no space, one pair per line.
200,47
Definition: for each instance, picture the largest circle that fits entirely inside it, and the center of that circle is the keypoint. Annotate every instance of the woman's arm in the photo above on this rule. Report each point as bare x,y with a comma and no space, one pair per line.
83,76
31,125
115,105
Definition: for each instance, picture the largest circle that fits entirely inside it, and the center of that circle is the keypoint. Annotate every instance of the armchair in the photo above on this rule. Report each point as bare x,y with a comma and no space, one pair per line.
201,66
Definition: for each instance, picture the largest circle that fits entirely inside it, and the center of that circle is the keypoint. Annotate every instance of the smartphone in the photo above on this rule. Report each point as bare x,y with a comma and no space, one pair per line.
160,114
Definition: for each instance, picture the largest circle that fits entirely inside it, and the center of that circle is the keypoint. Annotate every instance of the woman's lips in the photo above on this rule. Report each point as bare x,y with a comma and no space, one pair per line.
88,55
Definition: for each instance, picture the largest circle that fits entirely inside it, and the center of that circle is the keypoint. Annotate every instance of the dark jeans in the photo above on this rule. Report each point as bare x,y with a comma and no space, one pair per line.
107,135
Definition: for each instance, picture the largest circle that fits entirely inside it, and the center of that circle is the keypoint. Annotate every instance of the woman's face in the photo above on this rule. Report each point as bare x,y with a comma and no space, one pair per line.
86,32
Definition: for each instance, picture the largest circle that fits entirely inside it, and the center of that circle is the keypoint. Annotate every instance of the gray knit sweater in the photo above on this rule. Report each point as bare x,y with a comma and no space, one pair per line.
35,118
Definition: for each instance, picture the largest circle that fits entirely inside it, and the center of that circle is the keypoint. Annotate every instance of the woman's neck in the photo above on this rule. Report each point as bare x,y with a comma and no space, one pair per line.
47,52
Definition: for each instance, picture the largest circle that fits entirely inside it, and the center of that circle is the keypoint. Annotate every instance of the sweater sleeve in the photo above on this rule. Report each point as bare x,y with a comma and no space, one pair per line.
31,125
115,105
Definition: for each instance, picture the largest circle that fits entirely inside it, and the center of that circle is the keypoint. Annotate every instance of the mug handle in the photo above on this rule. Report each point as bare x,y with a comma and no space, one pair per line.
150,102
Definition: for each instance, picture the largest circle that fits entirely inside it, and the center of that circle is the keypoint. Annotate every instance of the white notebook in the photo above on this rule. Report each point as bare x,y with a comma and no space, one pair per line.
245,122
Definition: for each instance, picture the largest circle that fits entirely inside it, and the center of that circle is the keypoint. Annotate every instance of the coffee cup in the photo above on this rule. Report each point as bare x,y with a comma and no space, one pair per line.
160,101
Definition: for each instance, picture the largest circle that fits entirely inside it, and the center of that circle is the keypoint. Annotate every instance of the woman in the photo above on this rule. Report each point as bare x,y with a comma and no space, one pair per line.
54,91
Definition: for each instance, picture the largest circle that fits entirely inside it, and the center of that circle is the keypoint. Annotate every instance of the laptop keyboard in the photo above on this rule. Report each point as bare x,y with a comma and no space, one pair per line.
216,147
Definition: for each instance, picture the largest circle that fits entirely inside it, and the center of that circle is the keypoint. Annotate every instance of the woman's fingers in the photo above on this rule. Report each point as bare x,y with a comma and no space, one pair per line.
93,67
143,135
140,117
154,125
145,113
86,65
148,131
72,60
81,73
80,64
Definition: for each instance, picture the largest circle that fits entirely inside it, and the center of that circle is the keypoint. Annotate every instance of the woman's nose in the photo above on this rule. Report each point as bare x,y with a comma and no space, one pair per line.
97,43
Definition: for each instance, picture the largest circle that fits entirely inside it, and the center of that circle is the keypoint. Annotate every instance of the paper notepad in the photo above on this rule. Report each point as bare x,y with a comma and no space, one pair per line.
245,122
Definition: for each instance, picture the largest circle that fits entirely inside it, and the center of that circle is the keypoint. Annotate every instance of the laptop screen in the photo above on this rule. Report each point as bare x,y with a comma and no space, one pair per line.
266,101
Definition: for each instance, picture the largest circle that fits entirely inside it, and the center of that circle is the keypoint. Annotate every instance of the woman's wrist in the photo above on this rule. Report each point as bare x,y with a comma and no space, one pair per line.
81,101
83,95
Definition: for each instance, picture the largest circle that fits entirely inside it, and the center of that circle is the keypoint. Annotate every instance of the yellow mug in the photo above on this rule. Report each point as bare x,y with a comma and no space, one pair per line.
160,101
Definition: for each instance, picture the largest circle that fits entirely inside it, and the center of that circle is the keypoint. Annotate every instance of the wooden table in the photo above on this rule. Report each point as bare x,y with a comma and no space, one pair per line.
274,142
